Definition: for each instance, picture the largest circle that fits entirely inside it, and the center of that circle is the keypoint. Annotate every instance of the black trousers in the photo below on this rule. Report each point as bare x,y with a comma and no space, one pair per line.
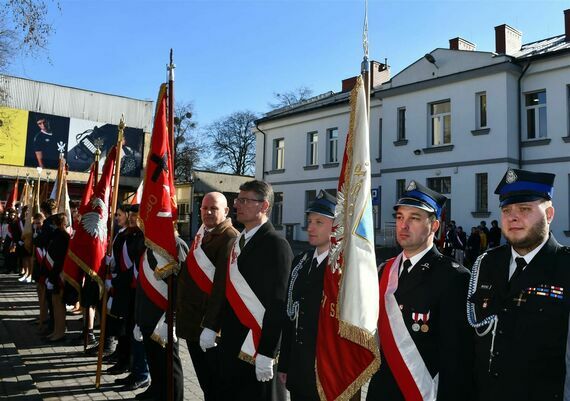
156,358
239,383
206,365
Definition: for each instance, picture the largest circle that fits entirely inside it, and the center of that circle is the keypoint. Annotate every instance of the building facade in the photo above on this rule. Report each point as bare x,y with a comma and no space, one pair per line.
455,119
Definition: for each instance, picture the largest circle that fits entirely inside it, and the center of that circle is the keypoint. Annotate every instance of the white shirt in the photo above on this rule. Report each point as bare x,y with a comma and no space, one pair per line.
250,233
320,257
414,259
528,257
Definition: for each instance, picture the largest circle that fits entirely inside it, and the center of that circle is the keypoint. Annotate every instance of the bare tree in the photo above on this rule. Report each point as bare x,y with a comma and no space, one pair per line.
188,146
232,142
291,97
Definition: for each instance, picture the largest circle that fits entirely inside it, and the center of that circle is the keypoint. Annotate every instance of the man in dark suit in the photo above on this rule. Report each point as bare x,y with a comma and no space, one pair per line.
201,290
258,273
518,300
304,294
424,336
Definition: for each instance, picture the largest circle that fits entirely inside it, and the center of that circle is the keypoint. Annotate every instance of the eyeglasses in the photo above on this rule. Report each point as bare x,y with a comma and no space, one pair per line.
245,201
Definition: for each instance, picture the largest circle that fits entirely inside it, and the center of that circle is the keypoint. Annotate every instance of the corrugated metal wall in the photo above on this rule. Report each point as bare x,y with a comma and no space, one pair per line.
64,101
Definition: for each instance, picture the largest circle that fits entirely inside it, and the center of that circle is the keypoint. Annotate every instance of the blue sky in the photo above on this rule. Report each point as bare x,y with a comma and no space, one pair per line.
233,55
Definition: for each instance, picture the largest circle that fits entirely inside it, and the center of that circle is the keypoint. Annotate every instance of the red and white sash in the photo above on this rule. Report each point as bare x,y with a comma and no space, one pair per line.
156,290
245,304
200,268
48,261
401,354
40,253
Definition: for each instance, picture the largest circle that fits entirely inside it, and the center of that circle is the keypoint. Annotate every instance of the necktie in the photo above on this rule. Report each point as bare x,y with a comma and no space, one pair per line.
314,265
521,264
407,264
241,242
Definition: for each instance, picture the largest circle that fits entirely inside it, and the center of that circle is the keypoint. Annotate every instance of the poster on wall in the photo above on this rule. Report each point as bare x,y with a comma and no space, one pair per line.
86,136
13,127
46,139
33,139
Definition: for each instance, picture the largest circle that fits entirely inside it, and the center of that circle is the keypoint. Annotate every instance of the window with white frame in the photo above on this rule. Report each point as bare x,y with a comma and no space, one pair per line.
400,188
332,145
440,184
535,104
277,209
312,148
401,124
440,123
379,140
481,192
279,154
310,196
481,111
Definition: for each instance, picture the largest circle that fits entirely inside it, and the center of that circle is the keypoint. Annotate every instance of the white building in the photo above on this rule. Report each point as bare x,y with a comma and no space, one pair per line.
455,119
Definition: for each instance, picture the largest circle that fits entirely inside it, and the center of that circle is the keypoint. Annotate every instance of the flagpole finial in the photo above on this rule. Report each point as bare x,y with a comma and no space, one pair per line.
121,128
170,67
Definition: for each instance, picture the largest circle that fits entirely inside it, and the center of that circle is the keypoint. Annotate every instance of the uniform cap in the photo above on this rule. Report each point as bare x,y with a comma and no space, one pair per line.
418,196
524,186
324,204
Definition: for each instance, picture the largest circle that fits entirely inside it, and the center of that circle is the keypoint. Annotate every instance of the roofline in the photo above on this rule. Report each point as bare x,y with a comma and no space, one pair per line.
75,88
543,55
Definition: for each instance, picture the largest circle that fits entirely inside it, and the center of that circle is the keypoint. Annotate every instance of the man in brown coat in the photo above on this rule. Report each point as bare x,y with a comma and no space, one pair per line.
201,289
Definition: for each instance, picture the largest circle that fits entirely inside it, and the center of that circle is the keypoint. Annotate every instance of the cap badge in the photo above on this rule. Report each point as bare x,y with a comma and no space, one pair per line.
411,186
511,177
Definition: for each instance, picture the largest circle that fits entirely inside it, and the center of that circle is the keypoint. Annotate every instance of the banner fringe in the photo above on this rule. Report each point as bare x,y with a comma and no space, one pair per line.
89,271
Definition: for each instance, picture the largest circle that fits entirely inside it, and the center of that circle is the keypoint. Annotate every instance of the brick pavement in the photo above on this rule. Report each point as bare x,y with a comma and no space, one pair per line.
31,369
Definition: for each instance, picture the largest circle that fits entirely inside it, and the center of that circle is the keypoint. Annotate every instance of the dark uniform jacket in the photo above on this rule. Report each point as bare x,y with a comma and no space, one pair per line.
265,263
298,346
147,314
530,343
57,251
438,285
194,308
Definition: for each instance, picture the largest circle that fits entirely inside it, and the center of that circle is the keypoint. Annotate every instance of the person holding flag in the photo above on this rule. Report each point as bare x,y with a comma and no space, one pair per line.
256,289
425,341
201,290
304,295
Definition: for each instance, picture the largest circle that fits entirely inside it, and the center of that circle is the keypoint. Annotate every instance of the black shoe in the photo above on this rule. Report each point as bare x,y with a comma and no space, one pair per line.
118,369
111,358
146,395
125,381
136,385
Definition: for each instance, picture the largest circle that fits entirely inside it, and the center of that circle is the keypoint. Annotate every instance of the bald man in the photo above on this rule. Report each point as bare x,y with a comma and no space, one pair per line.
201,289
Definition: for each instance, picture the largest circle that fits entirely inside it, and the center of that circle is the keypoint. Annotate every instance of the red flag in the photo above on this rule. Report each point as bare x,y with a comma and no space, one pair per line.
86,252
347,351
89,188
13,195
158,208
137,198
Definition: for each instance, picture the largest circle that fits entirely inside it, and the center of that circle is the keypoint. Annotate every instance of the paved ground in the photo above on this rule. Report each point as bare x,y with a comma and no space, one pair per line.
31,369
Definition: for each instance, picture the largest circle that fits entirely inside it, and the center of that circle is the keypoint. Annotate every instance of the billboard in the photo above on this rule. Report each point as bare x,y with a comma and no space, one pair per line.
33,139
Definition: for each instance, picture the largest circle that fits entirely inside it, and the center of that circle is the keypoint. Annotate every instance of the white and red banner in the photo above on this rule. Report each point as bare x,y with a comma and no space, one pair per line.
349,310
247,307
200,268
402,355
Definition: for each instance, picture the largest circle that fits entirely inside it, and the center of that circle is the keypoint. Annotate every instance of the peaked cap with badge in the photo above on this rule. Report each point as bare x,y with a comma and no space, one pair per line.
324,204
524,186
421,197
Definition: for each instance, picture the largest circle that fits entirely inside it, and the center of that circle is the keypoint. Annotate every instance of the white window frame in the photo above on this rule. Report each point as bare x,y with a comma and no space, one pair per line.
332,145
482,192
537,110
312,148
277,209
437,122
481,110
279,154
401,123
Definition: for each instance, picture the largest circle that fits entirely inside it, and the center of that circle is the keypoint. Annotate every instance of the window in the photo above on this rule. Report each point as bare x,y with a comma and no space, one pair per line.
481,110
440,122
568,109
482,190
312,148
332,191
379,140
332,145
310,196
277,209
400,188
535,115
279,154
440,184
401,124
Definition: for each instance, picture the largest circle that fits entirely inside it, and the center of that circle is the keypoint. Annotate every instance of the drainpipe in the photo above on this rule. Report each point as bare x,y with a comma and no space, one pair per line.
519,114
263,151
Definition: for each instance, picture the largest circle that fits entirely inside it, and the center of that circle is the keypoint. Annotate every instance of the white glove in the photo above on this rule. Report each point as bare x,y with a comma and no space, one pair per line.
108,285
137,335
263,368
108,260
109,304
208,339
160,333
49,285
20,243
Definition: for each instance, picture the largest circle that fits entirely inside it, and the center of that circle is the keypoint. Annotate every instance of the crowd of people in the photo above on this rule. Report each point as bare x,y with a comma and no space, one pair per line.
511,344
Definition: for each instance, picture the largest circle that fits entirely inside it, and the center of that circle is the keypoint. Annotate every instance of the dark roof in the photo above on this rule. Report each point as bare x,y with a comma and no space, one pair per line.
543,47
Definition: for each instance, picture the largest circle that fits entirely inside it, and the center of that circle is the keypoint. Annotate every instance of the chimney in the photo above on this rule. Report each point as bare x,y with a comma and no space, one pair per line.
567,25
461,44
379,73
507,40
348,84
